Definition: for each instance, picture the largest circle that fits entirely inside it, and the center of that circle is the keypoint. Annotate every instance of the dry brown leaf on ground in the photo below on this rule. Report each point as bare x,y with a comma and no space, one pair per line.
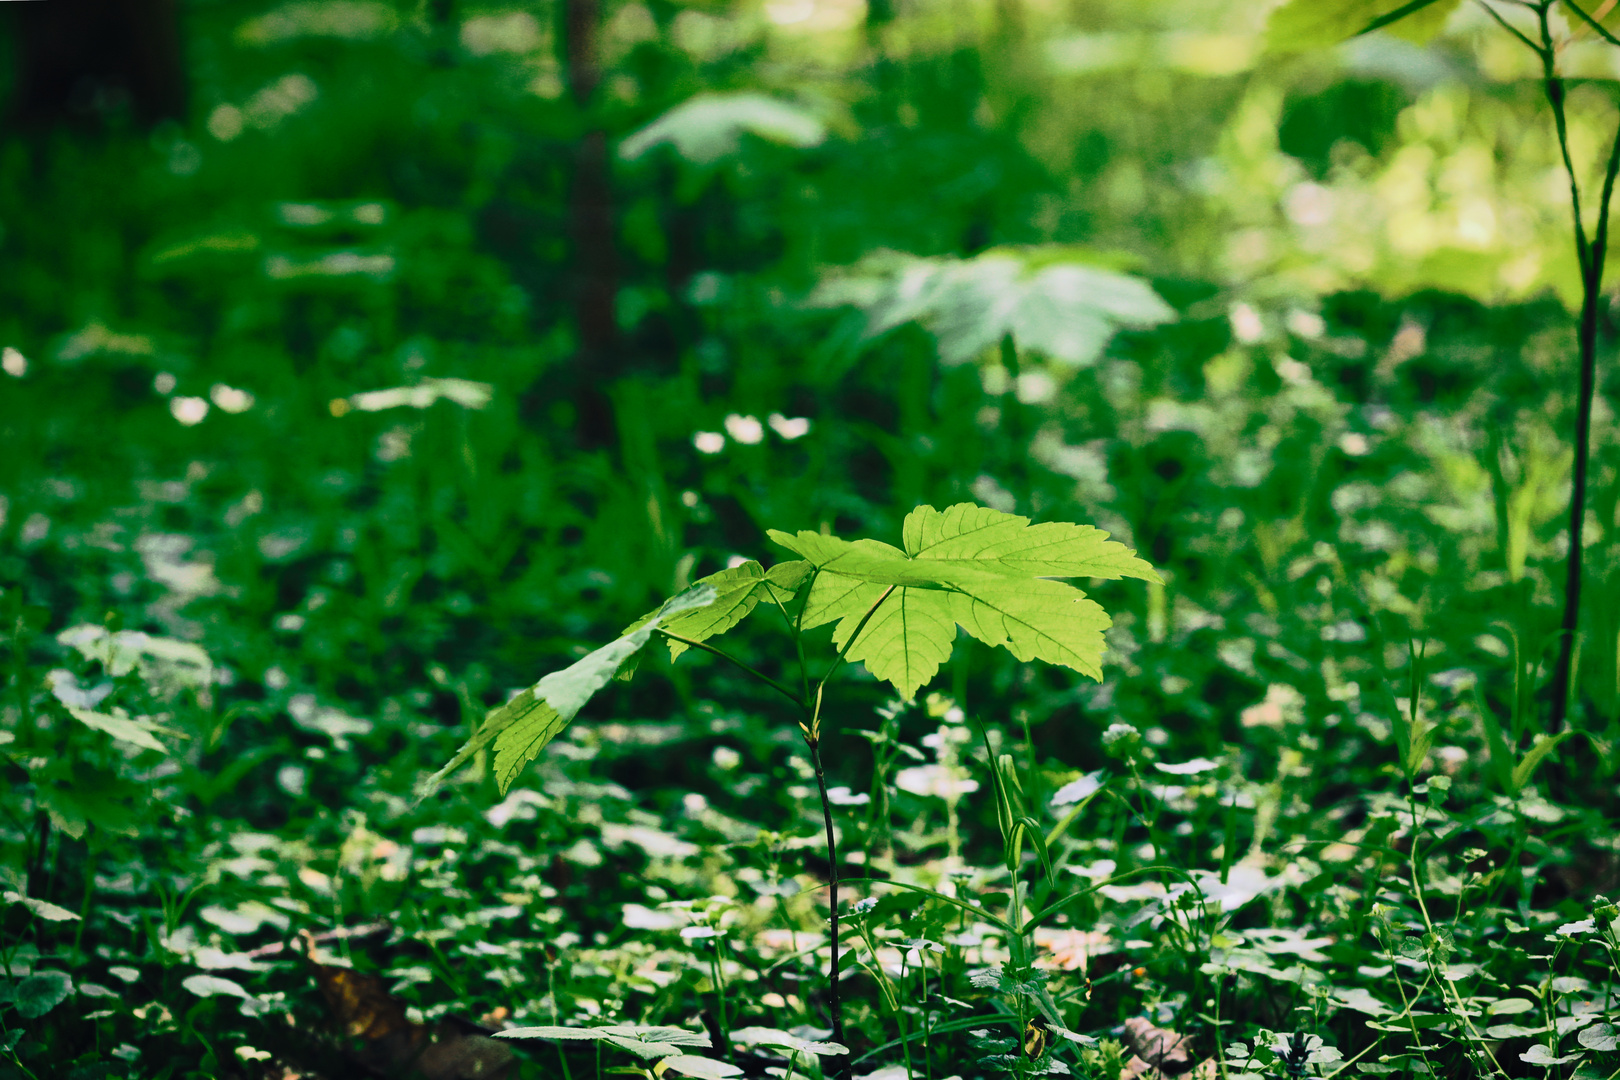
1158,1047
1070,950
395,1046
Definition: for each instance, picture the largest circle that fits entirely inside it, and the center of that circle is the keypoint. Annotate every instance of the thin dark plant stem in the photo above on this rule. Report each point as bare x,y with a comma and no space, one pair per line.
834,1005
1591,256
1509,27
722,654
1601,30
812,739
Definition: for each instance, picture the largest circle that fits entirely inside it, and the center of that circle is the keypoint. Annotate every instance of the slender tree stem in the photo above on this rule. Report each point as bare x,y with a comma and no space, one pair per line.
812,739
1591,256
834,1004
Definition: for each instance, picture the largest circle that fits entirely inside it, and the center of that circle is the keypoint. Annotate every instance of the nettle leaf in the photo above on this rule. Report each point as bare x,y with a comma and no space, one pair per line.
522,727
1301,25
967,566
738,590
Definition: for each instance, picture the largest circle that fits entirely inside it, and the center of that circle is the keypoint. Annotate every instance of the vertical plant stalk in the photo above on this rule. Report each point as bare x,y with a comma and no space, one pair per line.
810,727
1590,255
590,211
834,1004
812,738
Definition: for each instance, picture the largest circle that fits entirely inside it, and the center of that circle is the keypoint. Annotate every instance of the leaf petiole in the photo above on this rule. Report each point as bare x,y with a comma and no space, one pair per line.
693,643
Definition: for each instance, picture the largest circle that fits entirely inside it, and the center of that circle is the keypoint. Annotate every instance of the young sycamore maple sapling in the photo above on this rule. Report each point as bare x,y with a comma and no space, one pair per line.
896,610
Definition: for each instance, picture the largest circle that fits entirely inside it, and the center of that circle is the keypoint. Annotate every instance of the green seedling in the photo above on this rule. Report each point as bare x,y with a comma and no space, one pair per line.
894,609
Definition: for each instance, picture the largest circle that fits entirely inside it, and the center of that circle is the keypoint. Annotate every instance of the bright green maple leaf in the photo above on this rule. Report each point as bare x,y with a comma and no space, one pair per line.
905,641
522,727
977,536
1301,25
970,566
738,590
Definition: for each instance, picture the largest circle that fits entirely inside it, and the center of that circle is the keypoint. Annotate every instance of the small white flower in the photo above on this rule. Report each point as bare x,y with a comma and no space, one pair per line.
789,427
745,429
190,411
709,442
230,398
13,362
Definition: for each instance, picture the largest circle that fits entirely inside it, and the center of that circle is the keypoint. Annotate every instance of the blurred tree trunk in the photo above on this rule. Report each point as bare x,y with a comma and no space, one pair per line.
590,213
81,61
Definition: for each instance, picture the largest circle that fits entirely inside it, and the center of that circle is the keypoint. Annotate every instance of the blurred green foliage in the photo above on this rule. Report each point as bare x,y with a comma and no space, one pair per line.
404,367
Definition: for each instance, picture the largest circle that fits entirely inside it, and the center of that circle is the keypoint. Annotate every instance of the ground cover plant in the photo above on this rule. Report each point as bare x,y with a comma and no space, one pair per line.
427,349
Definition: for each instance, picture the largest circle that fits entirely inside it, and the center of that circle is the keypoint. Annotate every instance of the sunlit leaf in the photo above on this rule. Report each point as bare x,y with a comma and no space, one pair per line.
906,639
701,1067
1300,25
738,590
214,986
980,537
42,909
464,392
522,727
136,732
1061,303
1538,1054
710,126
647,1041
981,569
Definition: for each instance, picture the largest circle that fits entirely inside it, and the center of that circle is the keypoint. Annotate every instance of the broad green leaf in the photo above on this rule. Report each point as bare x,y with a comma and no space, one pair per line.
1060,302
906,639
710,126
701,1067
833,597
984,538
141,733
1510,1007
1037,620
738,590
42,909
214,986
647,1041
1302,25
1538,1054
41,992
763,1036
983,570
167,663
881,564
522,727
521,742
